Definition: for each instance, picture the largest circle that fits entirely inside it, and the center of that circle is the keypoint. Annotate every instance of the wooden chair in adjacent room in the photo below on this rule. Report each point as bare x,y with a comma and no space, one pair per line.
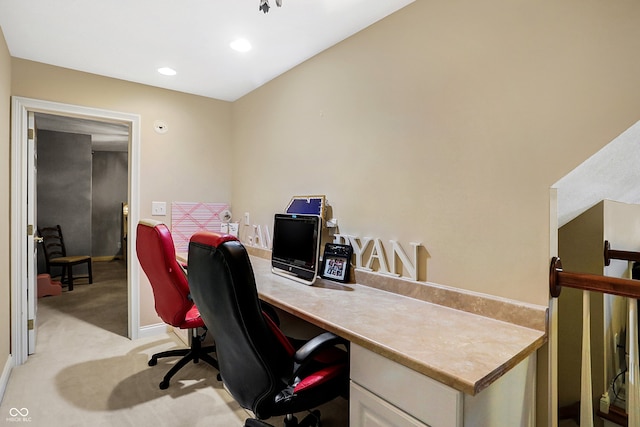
55,255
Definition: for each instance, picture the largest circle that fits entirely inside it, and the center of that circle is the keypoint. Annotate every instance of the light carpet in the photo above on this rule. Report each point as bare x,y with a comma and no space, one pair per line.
85,372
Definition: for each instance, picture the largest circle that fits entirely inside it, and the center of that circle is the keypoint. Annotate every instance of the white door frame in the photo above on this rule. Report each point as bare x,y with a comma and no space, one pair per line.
552,331
32,216
19,127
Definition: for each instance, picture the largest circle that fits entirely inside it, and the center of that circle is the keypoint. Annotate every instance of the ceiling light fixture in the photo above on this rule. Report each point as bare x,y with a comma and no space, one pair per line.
264,5
167,71
240,45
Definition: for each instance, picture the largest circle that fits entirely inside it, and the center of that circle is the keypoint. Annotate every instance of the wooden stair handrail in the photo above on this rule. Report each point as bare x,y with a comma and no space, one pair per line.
590,282
610,254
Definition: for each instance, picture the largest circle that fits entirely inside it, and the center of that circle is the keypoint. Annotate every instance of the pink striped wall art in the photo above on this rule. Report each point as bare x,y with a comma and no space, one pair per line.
189,217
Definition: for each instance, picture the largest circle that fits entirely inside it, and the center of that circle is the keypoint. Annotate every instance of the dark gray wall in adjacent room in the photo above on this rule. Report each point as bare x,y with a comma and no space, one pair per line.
64,188
110,190
83,191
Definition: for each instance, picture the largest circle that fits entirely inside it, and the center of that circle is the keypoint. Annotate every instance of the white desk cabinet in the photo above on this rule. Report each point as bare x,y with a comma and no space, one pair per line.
404,350
387,394
367,409
400,389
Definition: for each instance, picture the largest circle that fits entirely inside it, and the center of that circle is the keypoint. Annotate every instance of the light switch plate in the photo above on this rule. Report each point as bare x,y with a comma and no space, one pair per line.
158,208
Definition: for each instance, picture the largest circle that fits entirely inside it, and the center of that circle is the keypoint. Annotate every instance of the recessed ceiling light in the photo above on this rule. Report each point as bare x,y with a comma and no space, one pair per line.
167,71
240,45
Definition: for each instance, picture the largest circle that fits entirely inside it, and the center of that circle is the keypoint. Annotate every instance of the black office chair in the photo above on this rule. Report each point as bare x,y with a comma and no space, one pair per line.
258,364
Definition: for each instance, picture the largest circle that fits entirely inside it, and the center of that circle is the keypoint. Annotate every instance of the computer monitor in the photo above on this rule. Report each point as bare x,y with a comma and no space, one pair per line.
296,246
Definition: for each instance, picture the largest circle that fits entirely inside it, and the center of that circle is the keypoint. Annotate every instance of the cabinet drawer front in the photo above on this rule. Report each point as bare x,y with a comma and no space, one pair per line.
431,402
368,410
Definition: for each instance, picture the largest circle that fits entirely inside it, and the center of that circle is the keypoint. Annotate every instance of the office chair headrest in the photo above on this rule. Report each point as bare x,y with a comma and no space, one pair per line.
212,239
150,222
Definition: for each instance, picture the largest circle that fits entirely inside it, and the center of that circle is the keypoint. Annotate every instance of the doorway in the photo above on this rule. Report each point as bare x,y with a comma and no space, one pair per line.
82,186
22,285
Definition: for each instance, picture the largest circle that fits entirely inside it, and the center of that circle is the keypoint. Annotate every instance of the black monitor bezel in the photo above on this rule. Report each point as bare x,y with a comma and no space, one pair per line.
293,268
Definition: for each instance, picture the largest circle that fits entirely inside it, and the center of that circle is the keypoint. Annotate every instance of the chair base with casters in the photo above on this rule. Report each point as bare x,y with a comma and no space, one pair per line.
173,303
311,420
195,353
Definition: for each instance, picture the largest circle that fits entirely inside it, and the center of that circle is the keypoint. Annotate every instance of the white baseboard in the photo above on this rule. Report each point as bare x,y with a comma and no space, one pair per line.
6,373
153,330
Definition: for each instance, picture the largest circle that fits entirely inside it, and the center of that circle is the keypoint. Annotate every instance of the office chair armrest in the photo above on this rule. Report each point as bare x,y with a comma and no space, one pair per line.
316,344
307,354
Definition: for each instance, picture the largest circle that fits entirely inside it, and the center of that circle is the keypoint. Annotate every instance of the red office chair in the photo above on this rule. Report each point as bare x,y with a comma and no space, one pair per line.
157,256
258,365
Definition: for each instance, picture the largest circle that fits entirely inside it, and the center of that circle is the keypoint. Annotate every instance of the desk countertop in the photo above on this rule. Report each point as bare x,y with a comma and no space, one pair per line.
463,350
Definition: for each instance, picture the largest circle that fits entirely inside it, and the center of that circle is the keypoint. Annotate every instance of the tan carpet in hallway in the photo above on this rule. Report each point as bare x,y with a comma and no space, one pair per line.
85,372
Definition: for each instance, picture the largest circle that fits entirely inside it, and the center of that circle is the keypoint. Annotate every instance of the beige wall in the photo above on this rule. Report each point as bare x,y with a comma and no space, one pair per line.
5,196
191,162
446,124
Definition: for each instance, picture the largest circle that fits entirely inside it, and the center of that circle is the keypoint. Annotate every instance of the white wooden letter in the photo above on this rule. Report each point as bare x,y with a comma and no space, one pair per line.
257,236
357,249
404,259
378,253
265,238
339,239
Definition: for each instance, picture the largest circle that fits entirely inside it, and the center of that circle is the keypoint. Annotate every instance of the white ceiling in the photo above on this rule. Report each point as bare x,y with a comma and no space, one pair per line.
613,173
130,40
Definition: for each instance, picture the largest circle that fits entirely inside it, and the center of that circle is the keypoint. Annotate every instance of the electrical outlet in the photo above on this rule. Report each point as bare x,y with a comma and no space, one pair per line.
158,208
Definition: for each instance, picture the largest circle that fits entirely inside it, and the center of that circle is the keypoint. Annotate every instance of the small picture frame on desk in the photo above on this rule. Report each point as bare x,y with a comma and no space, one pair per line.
336,262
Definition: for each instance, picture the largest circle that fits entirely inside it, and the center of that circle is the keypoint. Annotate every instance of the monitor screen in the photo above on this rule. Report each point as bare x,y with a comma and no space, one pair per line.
296,245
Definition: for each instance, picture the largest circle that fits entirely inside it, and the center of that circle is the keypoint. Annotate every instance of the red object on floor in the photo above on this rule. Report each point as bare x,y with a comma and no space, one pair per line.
47,287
